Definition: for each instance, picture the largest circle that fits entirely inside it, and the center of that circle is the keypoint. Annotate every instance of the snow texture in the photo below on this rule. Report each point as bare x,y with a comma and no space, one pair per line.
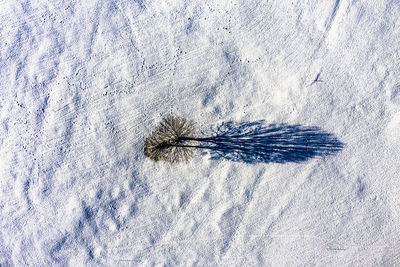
83,83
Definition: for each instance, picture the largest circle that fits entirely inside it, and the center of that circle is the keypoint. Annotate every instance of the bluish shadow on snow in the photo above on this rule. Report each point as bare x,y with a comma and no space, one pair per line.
257,142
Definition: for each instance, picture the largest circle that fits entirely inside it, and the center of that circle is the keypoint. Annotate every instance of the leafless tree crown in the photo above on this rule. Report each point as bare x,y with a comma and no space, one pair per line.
167,142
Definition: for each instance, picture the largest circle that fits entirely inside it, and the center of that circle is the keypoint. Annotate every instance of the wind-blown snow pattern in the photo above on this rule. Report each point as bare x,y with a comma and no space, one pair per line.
83,83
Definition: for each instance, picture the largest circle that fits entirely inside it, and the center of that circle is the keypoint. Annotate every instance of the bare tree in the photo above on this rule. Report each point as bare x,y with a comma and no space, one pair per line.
169,141
250,142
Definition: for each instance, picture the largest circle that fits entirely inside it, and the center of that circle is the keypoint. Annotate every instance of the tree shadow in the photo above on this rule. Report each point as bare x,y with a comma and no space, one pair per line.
258,142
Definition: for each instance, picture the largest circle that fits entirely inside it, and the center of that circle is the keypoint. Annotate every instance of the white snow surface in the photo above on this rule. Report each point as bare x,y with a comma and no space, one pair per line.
83,83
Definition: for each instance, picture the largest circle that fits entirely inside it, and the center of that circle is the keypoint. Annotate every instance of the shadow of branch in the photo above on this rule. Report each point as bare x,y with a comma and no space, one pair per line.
257,142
